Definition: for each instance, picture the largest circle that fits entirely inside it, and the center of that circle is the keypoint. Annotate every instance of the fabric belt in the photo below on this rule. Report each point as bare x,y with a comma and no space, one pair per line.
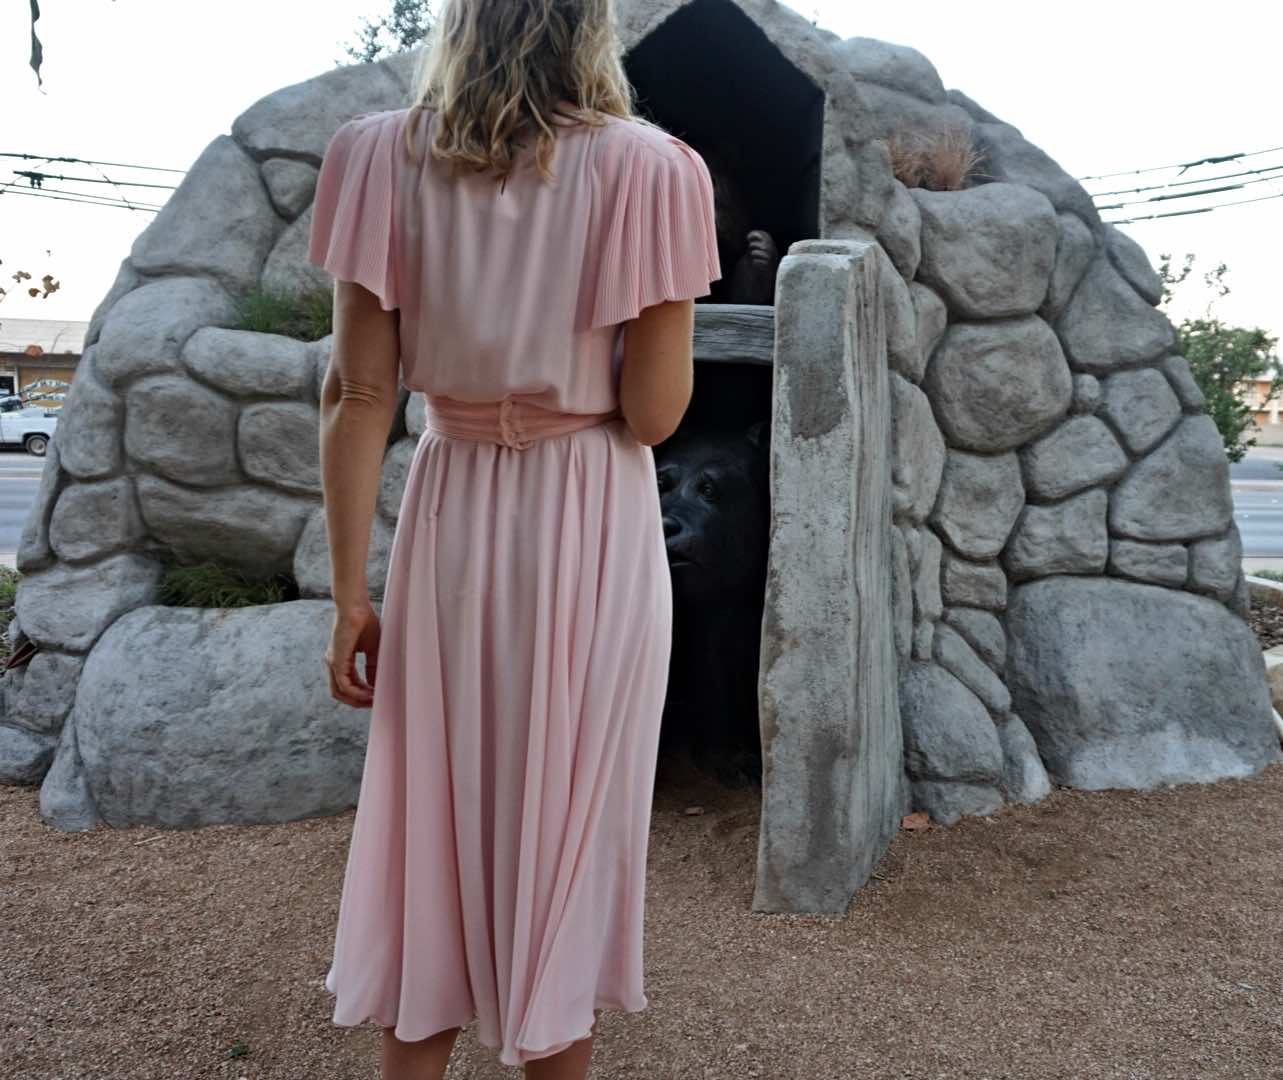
509,421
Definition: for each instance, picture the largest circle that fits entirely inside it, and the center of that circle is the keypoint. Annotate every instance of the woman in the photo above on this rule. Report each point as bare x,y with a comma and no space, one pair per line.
524,252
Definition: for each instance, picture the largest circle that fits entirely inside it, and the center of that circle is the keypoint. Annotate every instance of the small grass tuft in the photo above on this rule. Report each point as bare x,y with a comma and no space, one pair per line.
211,585
307,315
1269,575
947,160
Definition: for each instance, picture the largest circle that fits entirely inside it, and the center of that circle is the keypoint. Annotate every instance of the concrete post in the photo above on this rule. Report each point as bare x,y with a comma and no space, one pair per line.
833,778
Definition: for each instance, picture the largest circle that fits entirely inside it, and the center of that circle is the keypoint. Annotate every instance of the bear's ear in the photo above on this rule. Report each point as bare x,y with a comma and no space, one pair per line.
758,434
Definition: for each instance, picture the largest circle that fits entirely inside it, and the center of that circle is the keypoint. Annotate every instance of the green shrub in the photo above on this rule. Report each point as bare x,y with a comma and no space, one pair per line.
9,578
1269,575
307,315
210,585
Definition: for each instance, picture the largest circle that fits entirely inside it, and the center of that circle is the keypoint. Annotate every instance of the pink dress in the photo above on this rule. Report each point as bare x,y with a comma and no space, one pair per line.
497,864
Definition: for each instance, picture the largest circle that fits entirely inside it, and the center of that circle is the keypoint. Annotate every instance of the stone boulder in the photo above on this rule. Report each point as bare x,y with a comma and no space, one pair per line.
989,250
995,385
217,716
1130,685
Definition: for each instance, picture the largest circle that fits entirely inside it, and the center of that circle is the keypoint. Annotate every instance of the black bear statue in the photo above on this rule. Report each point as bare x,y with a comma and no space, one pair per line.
715,499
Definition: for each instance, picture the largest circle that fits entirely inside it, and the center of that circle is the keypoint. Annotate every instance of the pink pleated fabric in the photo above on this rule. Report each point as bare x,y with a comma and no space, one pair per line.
497,864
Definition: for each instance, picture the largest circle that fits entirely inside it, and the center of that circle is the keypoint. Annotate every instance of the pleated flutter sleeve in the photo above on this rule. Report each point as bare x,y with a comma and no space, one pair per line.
658,235
352,233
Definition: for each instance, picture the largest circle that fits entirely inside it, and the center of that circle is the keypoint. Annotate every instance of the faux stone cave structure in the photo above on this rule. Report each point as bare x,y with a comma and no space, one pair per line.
1002,551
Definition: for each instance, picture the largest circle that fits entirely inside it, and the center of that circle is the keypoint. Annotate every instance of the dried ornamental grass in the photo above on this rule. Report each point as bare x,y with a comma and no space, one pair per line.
946,160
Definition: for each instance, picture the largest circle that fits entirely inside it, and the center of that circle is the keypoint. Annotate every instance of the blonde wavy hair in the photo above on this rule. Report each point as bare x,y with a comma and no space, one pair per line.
495,71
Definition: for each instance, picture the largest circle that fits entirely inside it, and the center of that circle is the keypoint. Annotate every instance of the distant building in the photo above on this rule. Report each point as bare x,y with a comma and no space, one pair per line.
1265,411
39,350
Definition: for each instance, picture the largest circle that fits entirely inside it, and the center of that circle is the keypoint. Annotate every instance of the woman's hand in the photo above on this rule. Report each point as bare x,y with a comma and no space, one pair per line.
354,632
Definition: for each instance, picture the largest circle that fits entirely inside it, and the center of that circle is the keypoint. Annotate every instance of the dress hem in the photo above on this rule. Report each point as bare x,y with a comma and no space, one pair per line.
524,1054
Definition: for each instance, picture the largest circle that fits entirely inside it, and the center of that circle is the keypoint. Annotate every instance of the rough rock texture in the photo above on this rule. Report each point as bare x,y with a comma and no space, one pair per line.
931,317
1024,778
1141,405
919,451
1124,684
1179,491
1159,564
947,731
953,653
972,584
983,632
980,498
988,250
1079,453
1068,537
1075,246
994,385
205,717
1108,325
831,417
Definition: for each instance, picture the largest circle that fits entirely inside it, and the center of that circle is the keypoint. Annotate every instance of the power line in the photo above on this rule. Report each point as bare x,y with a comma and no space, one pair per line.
40,177
82,194
87,200
1192,194
1183,166
1186,183
1200,210
87,161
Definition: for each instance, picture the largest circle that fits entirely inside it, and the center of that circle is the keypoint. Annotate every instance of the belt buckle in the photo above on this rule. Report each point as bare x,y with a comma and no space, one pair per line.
506,429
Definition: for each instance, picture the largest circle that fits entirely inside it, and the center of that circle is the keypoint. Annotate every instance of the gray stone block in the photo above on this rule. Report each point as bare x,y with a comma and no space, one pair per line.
995,385
1075,248
67,607
1079,453
947,802
972,584
983,632
43,698
1159,564
1024,778
896,67
923,639
25,756
1068,537
901,232
1180,491
182,431
218,223
66,802
396,468
91,425
145,331
287,269
248,526
1216,564
1108,325
931,318
279,444
919,451
34,552
244,363
290,185
217,716
927,602
1131,261
901,596
1086,394
1009,156
980,499
92,520
1130,685
947,732
1183,382
954,654
1142,405
988,250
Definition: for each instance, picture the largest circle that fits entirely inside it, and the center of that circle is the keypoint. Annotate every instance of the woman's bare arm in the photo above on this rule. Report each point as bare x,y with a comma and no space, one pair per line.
358,405
656,375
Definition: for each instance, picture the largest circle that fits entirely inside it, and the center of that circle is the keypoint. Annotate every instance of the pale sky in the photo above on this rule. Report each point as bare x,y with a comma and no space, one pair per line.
1104,87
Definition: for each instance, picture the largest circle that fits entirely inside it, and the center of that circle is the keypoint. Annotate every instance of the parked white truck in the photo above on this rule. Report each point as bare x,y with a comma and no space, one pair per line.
28,426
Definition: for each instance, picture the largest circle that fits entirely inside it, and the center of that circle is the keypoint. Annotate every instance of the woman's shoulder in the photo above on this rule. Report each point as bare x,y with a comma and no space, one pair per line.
630,131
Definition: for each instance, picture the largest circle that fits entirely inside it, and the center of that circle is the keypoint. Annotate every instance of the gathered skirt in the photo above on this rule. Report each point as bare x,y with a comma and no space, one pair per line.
497,864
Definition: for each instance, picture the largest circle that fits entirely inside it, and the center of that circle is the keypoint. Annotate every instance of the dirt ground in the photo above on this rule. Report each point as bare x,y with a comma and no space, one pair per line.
1096,934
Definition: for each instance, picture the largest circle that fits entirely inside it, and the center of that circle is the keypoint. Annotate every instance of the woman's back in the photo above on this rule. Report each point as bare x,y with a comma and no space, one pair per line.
519,290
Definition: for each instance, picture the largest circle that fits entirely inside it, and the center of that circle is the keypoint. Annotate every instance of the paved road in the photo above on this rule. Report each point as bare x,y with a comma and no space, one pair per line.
19,479
1257,480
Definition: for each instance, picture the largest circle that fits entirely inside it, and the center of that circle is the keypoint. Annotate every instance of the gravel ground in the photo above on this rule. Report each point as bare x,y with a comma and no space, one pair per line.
1267,622
1096,934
